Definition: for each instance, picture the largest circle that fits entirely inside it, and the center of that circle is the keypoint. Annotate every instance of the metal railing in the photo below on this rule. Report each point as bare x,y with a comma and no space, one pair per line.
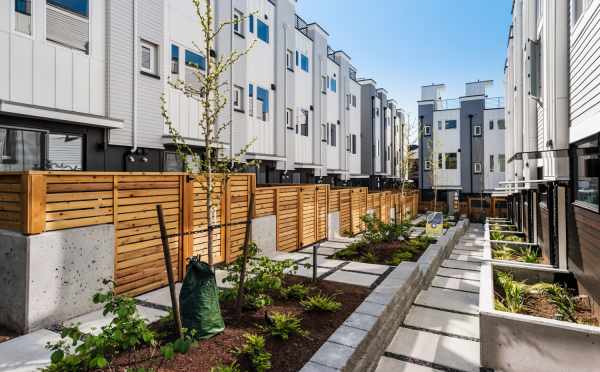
494,102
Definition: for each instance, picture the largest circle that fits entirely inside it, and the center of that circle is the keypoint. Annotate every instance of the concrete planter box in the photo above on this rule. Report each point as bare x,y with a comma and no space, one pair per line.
516,342
358,344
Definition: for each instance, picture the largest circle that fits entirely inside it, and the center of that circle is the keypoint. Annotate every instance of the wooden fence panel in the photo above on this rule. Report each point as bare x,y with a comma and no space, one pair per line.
265,201
322,211
13,197
288,206
308,212
358,208
235,207
345,211
334,200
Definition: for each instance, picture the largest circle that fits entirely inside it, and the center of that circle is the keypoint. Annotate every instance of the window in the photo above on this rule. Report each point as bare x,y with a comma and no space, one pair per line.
262,99
250,100
491,163
304,62
427,165
353,101
491,124
477,168
148,58
578,7
427,130
174,59
501,124
333,85
377,112
20,150
587,173
324,84
534,66
67,23
262,30
251,23
289,118
348,101
440,161
439,125
389,153
194,60
324,137
194,63
451,160
289,60
65,152
238,22
352,73
304,124
502,162
238,98
23,16
354,143
333,136
477,131
451,124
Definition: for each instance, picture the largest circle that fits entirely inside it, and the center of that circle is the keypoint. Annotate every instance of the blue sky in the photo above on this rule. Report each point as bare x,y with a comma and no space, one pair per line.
404,44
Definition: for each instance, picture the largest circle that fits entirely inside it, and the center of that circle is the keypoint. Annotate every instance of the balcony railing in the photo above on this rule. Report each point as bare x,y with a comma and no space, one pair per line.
494,102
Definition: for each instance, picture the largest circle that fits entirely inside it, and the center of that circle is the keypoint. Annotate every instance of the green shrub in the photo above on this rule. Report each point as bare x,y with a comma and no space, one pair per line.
351,251
284,325
233,367
559,297
495,235
295,292
254,350
513,238
377,231
400,256
369,257
263,275
514,293
321,302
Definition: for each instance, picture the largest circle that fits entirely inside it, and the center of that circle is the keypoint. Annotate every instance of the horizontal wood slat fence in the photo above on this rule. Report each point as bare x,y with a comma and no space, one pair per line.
35,202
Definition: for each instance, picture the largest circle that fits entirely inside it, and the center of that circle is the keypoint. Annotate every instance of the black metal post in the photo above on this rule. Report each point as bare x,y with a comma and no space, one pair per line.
167,253
314,268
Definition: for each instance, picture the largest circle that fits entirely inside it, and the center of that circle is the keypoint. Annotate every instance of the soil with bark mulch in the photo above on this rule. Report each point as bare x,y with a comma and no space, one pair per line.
287,356
539,305
381,253
6,334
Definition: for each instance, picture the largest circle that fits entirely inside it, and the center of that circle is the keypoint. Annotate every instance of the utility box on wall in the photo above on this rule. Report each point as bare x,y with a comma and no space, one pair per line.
49,278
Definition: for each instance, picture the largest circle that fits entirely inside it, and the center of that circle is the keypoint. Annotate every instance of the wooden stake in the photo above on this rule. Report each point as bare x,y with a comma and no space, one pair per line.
240,295
167,253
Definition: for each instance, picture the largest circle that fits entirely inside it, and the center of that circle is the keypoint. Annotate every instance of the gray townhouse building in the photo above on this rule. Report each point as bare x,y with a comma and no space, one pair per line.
83,80
461,142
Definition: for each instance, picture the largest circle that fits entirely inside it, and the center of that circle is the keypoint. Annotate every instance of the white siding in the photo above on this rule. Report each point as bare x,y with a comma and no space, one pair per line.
304,100
493,145
355,128
334,153
446,141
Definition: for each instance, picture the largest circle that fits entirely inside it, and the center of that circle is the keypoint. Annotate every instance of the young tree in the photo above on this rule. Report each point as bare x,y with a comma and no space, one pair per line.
210,89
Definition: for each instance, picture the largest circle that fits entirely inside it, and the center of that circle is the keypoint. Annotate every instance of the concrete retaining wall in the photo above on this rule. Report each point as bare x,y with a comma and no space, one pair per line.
358,344
516,342
264,234
51,277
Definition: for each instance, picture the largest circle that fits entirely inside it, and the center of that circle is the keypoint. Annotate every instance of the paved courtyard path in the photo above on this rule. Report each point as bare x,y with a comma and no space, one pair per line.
441,329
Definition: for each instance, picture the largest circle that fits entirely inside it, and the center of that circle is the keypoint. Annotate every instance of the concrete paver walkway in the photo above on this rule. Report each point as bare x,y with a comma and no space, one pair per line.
441,329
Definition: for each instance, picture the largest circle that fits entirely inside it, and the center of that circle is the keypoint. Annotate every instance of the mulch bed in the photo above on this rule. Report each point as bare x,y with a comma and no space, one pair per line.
6,335
381,253
290,355
539,305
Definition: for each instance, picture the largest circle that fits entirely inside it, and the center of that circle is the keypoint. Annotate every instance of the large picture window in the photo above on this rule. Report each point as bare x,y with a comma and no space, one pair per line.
21,150
587,173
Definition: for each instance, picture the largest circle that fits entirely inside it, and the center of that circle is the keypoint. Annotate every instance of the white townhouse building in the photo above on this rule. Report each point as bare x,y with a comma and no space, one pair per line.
552,144
82,82
461,142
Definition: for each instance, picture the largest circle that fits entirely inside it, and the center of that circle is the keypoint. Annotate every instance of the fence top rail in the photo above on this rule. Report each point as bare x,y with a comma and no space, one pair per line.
99,173
289,187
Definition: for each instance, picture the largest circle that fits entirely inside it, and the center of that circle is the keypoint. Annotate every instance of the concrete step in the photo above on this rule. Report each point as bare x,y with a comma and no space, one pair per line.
347,277
394,365
458,273
464,257
443,321
27,353
465,265
459,251
366,268
447,299
456,284
450,352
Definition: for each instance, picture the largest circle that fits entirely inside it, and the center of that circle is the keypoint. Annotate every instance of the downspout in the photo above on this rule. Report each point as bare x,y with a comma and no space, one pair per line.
471,151
285,130
135,81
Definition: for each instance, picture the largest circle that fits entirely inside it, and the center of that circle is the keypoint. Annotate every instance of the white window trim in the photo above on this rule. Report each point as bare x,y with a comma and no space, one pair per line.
239,25
289,118
477,131
13,15
477,167
427,130
289,59
153,48
240,100
427,165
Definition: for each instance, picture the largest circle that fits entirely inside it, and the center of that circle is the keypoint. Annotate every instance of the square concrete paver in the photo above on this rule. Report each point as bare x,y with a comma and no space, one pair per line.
27,353
162,296
458,273
366,268
394,365
467,252
447,299
335,245
323,251
443,321
296,256
464,257
308,272
464,265
94,321
347,277
322,261
450,352
456,284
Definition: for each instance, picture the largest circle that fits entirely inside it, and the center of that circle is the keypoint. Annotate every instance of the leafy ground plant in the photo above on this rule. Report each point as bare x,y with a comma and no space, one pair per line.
254,350
263,277
127,332
233,367
295,292
513,297
284,325
527,254
560,298
320,302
